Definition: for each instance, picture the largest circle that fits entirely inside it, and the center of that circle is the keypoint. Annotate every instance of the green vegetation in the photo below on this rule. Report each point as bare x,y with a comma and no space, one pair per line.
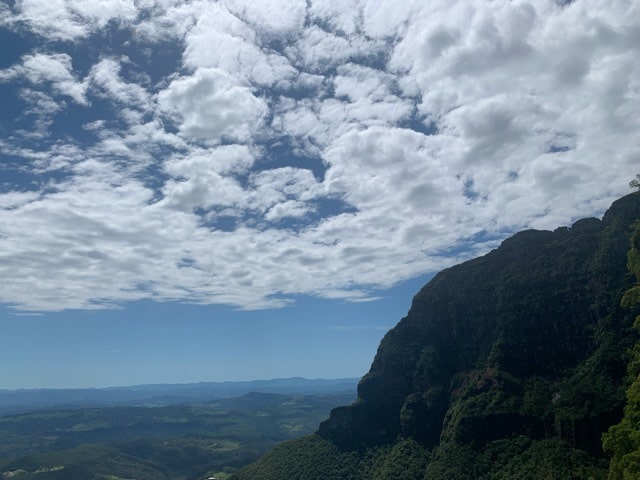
509,366
623,439
175,442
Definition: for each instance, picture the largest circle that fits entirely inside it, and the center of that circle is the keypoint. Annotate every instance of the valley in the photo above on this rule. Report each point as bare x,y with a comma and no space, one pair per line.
181,441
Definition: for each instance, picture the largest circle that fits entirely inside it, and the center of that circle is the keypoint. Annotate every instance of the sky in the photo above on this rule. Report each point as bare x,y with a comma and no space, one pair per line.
244,189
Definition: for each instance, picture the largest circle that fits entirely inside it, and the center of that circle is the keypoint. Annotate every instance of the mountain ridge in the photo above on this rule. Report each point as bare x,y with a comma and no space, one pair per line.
22,400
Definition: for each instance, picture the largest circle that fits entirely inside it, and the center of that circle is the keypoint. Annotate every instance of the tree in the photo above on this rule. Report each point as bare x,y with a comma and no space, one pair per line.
623,440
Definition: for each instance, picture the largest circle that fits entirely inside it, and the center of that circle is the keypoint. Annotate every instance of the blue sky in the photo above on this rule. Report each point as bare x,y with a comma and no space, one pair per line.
149,342
232,190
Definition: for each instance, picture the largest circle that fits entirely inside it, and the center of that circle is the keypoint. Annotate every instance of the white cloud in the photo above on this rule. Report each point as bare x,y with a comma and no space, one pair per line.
42,108
200,180
402,131
106,76
207,190
12,200
386,18
71,19
343,15
287,209
39,103
301,120
6,16
236,51
224,159
318,50
55,69
278,18
211,106
357,82
381,168
283,191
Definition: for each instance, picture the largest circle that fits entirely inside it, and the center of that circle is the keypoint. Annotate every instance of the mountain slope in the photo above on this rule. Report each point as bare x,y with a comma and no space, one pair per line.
623,439
506,366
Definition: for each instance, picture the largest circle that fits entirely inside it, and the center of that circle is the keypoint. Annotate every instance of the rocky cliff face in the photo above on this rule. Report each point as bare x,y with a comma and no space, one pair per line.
504,344
511,365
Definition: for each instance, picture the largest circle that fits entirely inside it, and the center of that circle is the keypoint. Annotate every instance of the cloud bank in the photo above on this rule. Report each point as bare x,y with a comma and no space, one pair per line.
243,153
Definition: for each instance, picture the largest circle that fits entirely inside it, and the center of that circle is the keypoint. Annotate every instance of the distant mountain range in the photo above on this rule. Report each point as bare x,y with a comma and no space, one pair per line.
17,401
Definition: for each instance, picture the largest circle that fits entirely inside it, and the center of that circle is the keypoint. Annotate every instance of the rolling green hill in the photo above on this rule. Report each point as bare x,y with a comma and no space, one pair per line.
509,366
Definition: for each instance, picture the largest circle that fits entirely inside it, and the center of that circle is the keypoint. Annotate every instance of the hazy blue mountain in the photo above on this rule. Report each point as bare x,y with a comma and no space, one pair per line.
15,401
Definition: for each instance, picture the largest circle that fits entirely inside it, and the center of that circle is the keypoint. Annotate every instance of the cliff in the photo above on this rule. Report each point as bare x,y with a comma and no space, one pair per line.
511,362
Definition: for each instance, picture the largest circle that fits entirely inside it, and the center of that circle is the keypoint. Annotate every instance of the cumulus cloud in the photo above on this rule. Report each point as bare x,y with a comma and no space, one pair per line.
283,191
279,18
71,19
243,152
211,106
201,179
343,16
105,76
319,50
53,69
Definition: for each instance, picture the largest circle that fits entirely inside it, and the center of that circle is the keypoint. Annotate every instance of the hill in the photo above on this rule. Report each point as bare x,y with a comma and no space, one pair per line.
511,365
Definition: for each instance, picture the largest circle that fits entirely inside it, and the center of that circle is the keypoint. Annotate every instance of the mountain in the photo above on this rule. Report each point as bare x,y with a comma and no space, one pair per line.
511,365
18,401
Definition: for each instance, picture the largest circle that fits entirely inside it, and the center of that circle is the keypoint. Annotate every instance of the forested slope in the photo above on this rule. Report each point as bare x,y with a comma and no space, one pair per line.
511,365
